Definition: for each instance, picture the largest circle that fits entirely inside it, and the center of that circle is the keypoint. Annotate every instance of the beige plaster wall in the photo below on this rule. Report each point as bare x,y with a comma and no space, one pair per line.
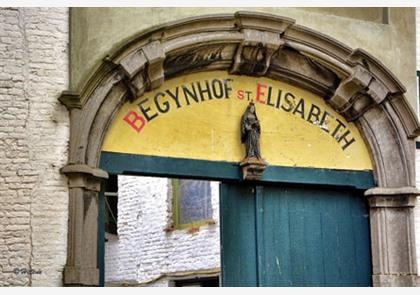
374,14
97,31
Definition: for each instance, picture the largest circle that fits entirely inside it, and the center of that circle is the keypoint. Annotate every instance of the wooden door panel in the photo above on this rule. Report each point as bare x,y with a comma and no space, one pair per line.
301,236
239,262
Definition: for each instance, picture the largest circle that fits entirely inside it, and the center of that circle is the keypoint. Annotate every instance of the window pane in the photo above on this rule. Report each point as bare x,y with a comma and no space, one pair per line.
111,204
194,200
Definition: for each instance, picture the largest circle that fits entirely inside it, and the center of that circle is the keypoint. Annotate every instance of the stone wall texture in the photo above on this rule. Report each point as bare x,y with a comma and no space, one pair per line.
34,132
145,252
418,37
417,210
98,30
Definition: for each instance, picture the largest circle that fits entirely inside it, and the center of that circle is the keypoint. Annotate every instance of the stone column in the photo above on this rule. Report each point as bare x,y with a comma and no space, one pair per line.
392,234
84,183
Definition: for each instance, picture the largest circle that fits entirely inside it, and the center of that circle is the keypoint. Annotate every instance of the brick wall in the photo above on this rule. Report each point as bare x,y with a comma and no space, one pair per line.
144,252
34,133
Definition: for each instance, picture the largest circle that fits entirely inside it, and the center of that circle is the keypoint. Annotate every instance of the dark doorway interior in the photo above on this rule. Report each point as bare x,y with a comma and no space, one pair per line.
198,282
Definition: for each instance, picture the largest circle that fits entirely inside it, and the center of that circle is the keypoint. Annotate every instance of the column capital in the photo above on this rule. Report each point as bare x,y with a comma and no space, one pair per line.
392,197
390,191
84,176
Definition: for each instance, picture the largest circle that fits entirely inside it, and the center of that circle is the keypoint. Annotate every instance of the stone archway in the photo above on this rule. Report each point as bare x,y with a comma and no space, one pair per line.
352,81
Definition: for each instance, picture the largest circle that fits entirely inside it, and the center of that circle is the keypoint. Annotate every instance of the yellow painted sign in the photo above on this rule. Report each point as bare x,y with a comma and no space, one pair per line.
198,116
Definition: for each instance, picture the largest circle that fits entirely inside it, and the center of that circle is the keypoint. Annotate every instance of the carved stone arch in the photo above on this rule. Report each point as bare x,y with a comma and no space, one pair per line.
352,81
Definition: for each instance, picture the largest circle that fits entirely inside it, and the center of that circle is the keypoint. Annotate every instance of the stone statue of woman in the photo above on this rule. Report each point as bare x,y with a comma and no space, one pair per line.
250,132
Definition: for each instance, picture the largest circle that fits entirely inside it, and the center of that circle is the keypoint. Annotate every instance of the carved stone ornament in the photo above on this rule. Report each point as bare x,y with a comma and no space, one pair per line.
252,165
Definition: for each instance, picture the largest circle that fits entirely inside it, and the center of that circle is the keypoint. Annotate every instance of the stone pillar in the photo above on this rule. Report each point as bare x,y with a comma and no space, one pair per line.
84,184
392,234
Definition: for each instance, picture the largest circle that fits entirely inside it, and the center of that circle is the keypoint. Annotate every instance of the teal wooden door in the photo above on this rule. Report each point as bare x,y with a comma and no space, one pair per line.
291,236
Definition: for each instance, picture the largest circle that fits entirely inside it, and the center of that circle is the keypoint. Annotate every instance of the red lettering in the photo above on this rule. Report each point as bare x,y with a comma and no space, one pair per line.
260,93
136,121
240,94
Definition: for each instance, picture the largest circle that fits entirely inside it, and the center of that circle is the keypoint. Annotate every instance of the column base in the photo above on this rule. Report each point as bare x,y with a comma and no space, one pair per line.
395,280
78,276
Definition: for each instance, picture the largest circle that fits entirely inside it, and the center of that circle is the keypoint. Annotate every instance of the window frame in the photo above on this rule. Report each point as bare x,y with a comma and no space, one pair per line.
176,224
111,191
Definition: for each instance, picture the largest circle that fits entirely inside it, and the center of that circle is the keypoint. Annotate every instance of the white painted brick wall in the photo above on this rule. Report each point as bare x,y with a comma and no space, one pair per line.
144,251
34,131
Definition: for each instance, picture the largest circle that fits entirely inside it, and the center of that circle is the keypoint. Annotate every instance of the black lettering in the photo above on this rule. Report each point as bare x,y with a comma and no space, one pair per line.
340,124
175,96
188,93
165,104
248,94
300,108
323,121
347,142
289,102
205,90
269,97
228,87
146,110
278,99
217,90
315,111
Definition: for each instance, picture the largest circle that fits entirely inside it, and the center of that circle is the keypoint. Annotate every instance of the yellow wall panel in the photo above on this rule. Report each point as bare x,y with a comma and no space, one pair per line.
198,116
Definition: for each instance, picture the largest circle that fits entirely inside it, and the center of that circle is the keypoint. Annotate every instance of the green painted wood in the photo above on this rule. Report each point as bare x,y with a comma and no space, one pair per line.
314,270
360,219
118,163
296,230
279,267
258,192
346,242
330,241
239,262
305,236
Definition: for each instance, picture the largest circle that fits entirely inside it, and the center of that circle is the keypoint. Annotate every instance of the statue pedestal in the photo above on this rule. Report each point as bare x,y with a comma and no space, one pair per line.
252,168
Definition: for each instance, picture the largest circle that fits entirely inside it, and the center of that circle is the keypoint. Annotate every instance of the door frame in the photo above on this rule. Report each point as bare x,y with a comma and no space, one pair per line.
141,165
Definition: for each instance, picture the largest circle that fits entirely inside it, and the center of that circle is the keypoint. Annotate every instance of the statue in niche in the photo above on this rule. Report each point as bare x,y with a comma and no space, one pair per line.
250,132
252,165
